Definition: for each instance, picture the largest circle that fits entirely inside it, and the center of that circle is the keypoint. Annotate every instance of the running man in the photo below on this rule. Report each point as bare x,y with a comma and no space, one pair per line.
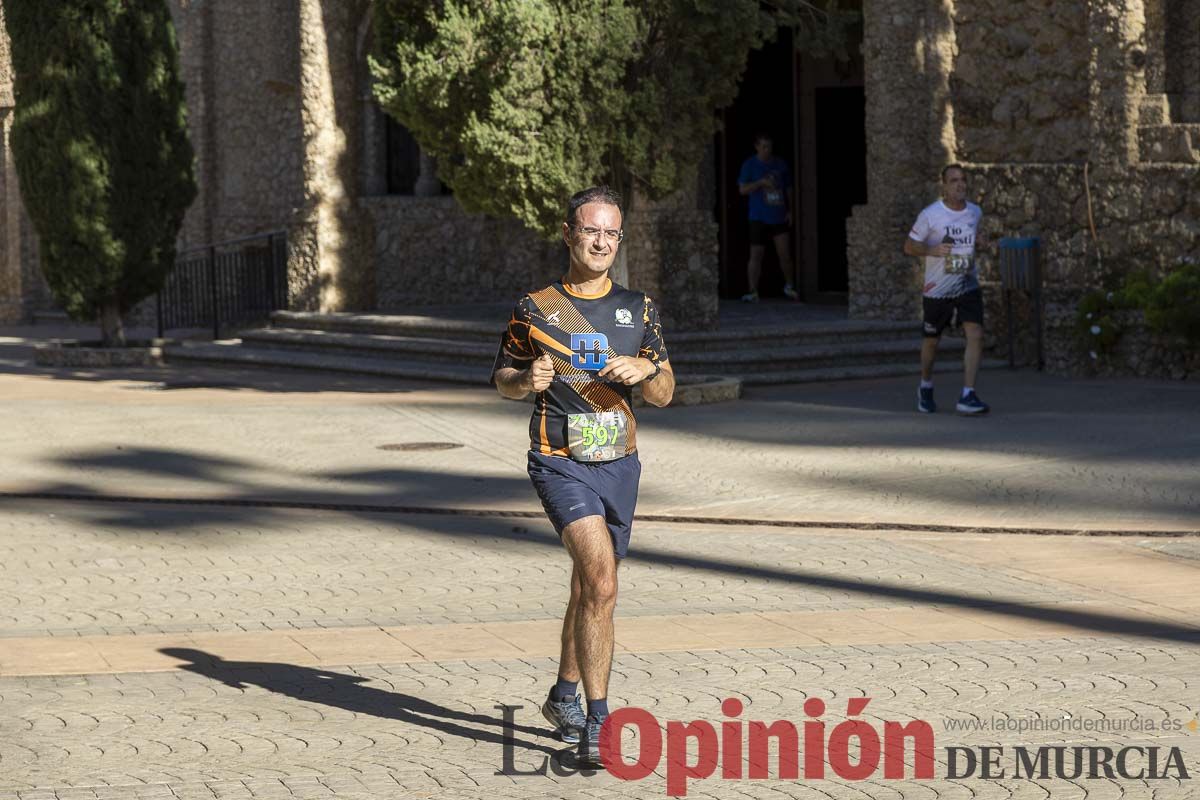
947,234
582,343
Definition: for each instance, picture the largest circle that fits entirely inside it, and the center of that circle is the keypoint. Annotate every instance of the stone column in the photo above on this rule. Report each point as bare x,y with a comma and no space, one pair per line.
12,287
1117,78
330,115
908,53
427,184
14,294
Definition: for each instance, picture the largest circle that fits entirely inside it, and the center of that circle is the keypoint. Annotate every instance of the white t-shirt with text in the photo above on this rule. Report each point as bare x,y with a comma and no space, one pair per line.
957,273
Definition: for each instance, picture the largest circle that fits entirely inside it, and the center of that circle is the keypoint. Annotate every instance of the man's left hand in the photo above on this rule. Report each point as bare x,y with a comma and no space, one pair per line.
627,370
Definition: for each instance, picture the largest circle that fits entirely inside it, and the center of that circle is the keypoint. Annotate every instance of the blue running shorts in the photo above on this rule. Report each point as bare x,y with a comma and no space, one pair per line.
571,490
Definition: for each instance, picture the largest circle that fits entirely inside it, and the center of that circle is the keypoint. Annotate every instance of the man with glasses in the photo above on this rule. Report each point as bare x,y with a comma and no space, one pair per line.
581,344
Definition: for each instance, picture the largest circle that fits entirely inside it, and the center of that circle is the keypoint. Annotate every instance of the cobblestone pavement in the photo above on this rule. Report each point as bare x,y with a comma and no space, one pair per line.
255,649
908,621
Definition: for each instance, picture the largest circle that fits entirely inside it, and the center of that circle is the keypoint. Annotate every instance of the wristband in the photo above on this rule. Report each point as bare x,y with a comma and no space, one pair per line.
655,374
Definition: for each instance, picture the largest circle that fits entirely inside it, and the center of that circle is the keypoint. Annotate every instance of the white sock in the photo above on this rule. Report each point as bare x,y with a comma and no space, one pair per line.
967,390
926,384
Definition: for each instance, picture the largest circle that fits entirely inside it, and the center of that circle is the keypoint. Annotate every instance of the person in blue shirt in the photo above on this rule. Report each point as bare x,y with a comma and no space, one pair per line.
767,181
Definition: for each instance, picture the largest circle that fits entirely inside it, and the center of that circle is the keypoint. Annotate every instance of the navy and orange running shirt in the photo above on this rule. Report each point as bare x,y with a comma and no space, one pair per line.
580,332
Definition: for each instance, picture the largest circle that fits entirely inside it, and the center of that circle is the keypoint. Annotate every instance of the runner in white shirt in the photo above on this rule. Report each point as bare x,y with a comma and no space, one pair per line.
947,234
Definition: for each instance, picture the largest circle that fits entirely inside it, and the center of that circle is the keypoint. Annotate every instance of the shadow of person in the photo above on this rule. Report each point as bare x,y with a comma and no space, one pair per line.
347,692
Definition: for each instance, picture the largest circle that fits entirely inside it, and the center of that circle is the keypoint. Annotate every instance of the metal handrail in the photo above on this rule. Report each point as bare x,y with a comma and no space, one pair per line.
282,234
217,284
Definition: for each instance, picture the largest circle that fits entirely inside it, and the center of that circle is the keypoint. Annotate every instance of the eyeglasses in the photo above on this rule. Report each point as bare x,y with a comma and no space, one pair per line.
610,235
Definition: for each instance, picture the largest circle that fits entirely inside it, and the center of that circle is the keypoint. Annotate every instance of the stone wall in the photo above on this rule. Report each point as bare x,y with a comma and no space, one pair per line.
427,250
672,252
1147,217
274,96
1019,85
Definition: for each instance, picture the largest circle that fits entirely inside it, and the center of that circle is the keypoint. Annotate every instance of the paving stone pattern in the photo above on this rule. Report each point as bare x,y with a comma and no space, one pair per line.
266,730
91,569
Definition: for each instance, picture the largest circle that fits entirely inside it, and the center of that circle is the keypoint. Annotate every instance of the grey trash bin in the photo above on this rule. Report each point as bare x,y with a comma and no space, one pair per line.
1021,270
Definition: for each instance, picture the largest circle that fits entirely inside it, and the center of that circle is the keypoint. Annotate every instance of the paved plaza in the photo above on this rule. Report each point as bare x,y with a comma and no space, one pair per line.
223,584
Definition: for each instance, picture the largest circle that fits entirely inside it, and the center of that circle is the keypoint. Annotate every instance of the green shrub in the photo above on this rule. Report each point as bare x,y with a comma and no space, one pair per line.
1171,307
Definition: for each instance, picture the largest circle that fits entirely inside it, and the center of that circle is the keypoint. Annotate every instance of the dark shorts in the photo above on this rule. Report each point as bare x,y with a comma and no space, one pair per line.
571,491
763,232
941,312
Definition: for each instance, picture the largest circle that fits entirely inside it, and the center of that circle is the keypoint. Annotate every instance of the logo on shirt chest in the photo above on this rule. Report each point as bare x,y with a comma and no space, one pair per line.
623,318
589,351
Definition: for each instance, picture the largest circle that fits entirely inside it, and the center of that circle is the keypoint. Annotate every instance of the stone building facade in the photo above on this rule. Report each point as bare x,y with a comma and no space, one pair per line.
1033,96
1026,93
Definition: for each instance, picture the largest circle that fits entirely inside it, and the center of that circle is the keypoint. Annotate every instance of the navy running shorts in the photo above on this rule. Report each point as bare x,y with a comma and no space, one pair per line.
571,490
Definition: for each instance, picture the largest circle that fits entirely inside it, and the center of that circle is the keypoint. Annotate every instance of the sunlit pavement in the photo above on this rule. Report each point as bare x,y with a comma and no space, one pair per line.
251,647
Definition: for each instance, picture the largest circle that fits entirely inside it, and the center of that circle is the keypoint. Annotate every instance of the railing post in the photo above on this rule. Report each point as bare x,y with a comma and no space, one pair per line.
270,274
212,283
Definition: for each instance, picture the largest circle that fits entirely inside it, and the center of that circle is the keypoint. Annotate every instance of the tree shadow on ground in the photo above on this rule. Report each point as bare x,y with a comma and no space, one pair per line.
503,537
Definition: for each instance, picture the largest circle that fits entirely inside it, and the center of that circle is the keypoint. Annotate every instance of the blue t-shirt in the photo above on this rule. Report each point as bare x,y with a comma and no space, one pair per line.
767,205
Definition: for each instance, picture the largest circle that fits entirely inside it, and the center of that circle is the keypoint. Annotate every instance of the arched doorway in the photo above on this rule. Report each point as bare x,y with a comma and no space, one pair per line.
814,109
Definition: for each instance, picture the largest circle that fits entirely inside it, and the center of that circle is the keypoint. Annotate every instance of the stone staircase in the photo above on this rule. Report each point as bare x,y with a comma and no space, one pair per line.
462,350
1162,141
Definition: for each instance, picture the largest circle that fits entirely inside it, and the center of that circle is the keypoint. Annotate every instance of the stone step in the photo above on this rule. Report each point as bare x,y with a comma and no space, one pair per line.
1154,109
765,360
232,354
690,389
858,372
1175,144
415,348
771,336
51,318
489,332
393,325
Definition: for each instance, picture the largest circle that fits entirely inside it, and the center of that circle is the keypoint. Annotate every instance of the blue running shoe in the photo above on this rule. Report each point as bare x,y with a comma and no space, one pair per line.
971,404
567,718
925,402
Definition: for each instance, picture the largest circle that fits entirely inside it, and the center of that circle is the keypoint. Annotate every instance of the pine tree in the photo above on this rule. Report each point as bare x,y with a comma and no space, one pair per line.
524,101
100,144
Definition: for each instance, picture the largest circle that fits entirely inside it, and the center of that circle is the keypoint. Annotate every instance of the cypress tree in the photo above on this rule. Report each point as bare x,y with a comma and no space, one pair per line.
524,101
101,148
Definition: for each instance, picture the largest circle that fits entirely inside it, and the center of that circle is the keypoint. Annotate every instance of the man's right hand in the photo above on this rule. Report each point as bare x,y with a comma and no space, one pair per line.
941,250
541,373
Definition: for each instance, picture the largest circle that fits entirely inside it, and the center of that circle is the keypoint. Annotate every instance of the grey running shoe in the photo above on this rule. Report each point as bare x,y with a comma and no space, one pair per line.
589,746
567,718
